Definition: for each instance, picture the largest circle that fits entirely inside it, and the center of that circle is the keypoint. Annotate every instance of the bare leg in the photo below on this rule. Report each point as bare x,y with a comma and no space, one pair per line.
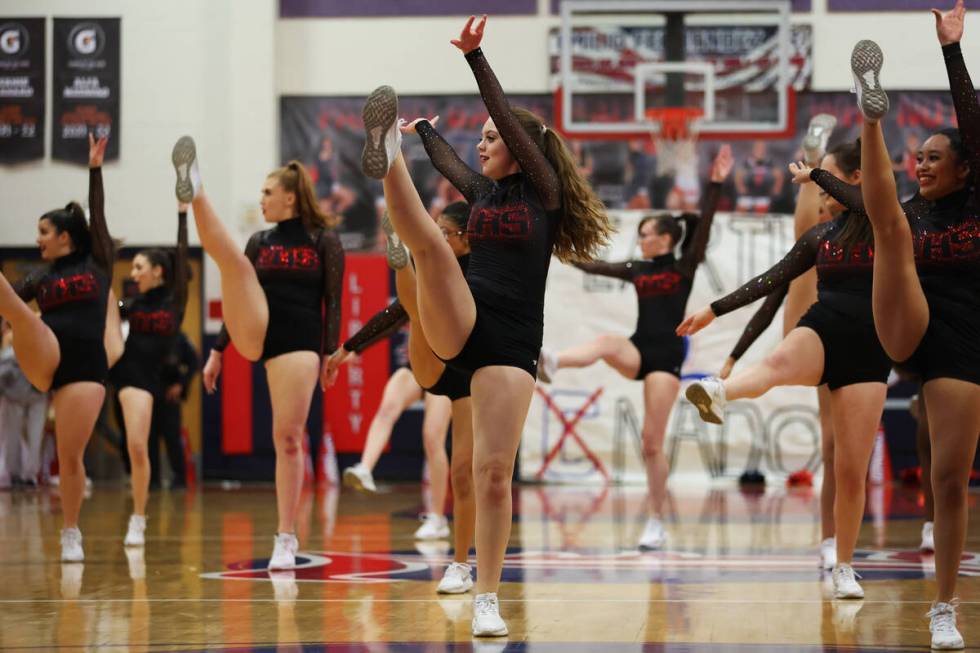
659,393
923,446
501,398
426,367
137,409
464,500
292,378
954,423
828,488
401,391
243,303
900,307
76,408
856,412
618,352
35,345
797,360
435,425
113,339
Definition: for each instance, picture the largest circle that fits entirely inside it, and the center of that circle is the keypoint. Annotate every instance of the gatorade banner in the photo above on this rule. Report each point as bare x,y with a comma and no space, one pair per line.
86,86
22,80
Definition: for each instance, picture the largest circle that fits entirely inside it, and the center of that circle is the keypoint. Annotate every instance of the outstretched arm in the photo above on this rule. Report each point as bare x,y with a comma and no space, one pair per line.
467,181
103,253
847,194
382,325
696,244
621,270
760,321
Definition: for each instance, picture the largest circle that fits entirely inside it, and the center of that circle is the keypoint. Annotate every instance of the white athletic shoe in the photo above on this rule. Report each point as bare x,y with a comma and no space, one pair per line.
942,625
456,580
817,134
708,396
184,157
547,365
434,527
71,545
845,582
486,616
395,250
866,62
654,536
359,478
284,552
136,534
828,553
928,541
384,139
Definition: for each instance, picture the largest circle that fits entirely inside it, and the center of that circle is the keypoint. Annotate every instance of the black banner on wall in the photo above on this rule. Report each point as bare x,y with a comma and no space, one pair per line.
21,89
86,87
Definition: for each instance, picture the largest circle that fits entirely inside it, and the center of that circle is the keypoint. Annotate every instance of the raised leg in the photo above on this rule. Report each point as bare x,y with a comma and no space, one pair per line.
797,360
618,352
35,345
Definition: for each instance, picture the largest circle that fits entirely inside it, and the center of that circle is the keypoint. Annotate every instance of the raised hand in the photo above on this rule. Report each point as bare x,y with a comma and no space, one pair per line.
801,172
694,323
96,150
723,164
470,37
949,24
409,127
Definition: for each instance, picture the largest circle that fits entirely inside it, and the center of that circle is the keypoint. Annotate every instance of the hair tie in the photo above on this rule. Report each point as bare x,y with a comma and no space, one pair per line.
544,129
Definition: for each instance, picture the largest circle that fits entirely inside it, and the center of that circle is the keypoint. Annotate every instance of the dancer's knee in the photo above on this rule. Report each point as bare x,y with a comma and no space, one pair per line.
462,479
289,442
493,481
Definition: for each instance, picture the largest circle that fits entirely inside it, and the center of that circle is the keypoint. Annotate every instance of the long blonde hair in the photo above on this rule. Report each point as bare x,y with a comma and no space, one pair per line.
585,227
294,178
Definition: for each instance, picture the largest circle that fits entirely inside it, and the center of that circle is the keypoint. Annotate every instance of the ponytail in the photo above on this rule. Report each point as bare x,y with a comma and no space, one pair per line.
71,219
294,178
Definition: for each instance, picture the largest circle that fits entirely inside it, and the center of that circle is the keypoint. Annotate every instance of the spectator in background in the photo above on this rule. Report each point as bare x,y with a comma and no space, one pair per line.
179,369
758,181
333,196
23,410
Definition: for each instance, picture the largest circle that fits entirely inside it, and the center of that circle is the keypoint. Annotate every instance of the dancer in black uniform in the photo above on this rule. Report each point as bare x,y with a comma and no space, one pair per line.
155,316
926,289
654,353
281,304
835,343
63,351
529,202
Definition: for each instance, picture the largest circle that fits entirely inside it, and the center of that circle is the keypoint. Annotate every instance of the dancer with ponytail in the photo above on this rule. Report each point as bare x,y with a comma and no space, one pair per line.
155,316
64,350
281,305
529,202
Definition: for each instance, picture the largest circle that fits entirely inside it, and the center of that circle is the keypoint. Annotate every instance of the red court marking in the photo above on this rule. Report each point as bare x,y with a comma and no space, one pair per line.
236,403
568,431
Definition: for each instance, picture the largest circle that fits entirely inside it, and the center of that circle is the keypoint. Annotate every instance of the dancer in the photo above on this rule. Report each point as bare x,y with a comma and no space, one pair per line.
155,316
530,201
63,350
835,343
654,353
925,293
281,304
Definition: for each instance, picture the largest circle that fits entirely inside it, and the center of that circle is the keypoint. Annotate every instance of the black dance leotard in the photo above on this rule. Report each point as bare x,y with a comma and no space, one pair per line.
73,295
302,275
512,227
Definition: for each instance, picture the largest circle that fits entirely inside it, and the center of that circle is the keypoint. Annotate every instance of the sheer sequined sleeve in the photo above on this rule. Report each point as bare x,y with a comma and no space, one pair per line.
760,321
251,253
529,156
800,259
181,265
26,288
332,258
966,105
103,252
602,268
467,181
847,194
385,323
696,242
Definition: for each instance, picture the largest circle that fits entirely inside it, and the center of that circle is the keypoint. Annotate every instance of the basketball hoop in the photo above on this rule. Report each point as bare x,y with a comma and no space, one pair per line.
675,123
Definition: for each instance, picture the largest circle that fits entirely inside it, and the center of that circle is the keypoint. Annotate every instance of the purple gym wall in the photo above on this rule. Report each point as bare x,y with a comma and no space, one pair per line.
883,5
348,9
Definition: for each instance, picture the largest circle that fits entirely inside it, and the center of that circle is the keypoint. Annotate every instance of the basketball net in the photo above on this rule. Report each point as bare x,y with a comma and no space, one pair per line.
674,132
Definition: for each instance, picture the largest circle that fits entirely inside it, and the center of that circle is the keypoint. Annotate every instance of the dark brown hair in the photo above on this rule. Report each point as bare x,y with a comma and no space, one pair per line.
857,227
71,219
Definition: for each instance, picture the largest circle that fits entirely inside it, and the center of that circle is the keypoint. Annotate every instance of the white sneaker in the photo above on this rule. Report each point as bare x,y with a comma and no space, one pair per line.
456,580
817,134
654,537
845,583
71,545
928,541
359,478
547,365
384,139
136,534
828,553
284,552
942,625
486,616
395,250
434,527
184,157
866,62
708,396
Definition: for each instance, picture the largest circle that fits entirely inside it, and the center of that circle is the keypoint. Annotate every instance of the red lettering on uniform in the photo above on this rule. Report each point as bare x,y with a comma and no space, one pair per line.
161,322
511,222
277,257
661,283
73,288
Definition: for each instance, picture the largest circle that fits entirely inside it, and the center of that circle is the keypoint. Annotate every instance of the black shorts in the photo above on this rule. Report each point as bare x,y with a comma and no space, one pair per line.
130,372
82,359
948,350
290,331
852,352
660,354
453,384
500,337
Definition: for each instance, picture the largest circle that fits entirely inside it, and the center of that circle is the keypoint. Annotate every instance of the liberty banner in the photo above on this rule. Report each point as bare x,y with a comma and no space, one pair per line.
22,69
